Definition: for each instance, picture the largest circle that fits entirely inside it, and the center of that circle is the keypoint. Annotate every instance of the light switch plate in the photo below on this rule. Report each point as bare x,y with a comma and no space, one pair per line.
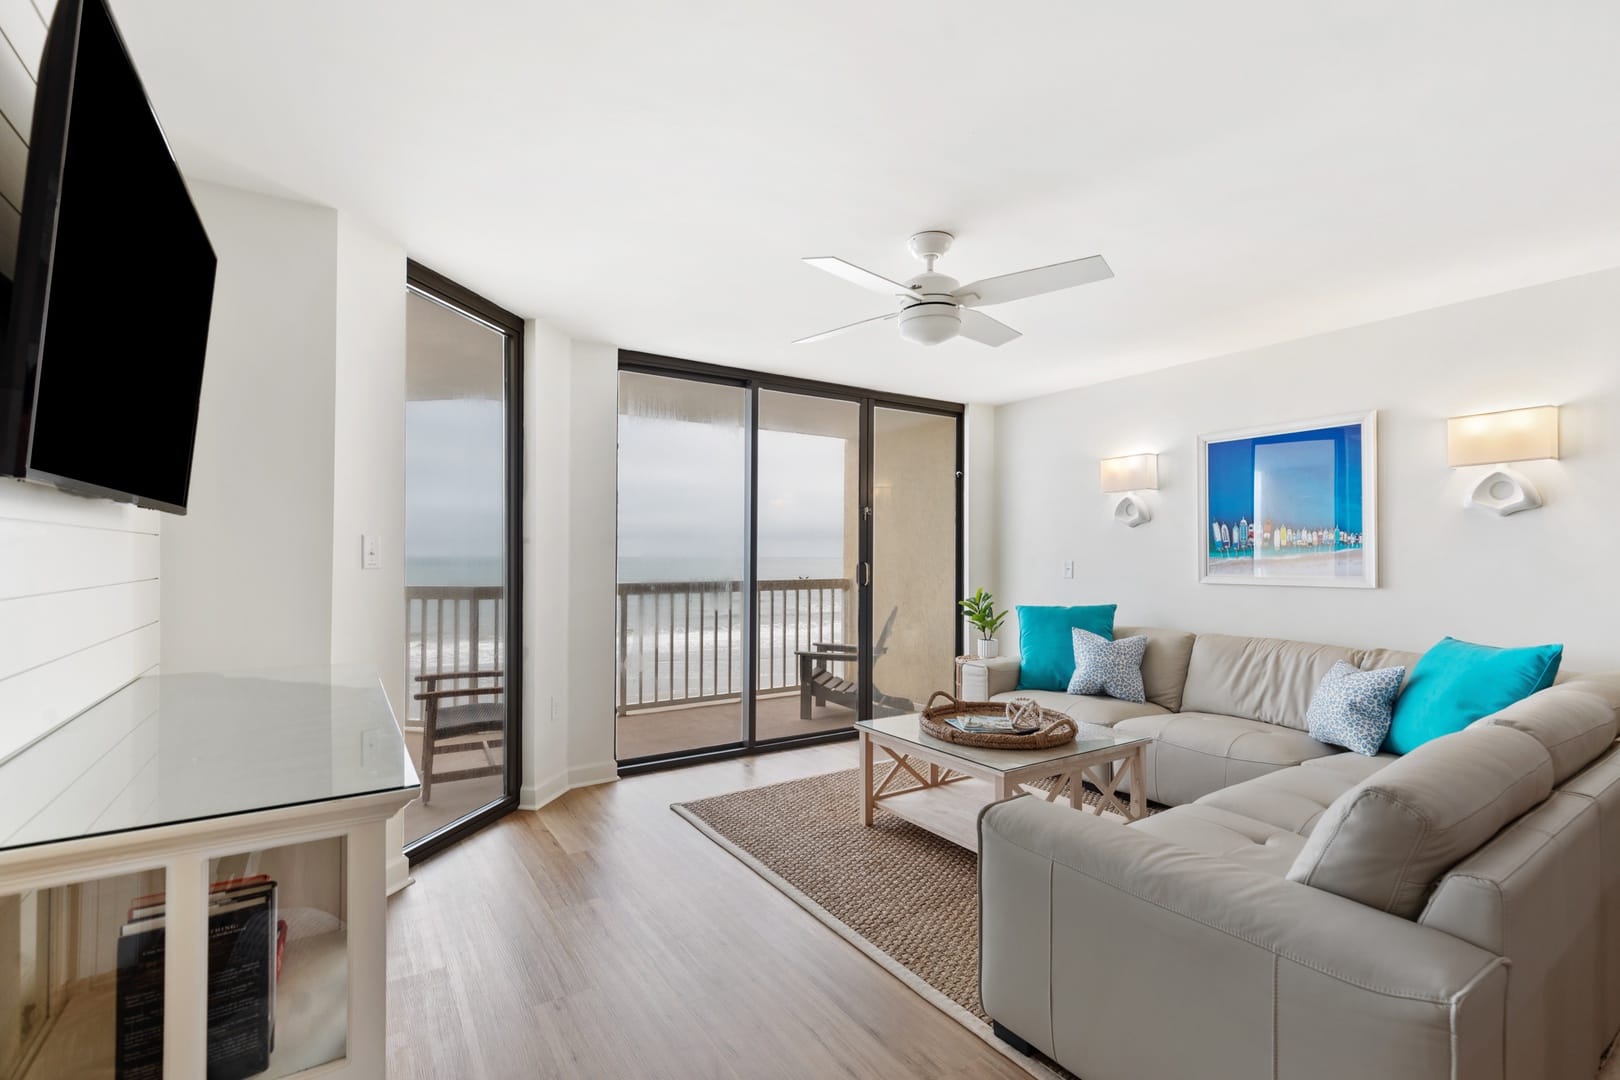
1068,570
369,557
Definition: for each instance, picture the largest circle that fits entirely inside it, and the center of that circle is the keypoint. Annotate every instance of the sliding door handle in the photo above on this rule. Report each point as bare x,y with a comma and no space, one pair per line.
866,575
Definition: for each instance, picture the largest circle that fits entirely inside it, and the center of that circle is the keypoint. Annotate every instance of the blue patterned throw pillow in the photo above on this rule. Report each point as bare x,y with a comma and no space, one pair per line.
1353,708
1108,667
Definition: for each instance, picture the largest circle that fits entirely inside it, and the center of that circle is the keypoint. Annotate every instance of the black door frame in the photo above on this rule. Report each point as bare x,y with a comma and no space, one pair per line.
436,287
868,401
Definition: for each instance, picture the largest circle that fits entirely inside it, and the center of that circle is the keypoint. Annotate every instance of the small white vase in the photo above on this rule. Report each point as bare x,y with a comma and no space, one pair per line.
988,648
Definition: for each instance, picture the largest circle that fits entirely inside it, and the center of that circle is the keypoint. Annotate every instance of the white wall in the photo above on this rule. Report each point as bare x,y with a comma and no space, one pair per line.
300,449
1547,575
79,604
247,576
79,592
570,452
593,570
546,377
979,561
368,456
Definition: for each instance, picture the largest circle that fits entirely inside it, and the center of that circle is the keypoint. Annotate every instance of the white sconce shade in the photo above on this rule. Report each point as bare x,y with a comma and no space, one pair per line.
1493,438
1496,438
1140,472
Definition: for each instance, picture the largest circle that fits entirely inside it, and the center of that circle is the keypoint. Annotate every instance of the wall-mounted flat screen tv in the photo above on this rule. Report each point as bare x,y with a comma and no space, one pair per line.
102,363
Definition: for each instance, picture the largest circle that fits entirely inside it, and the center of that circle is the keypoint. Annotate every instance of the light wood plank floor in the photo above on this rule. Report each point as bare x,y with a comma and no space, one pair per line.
604,937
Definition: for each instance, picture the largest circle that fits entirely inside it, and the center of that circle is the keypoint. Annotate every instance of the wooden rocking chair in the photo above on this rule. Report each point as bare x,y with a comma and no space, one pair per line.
448,729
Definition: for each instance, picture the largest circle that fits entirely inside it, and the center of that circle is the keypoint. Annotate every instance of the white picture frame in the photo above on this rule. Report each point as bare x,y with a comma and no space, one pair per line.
1285,543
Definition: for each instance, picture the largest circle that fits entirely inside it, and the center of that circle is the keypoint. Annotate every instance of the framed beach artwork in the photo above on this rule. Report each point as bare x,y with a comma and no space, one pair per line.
1293,504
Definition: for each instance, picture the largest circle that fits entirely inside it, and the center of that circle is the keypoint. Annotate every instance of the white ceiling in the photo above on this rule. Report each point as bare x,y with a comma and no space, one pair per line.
649,173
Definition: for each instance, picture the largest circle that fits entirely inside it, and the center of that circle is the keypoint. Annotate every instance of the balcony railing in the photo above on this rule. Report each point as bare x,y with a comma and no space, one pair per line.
454,628
681,642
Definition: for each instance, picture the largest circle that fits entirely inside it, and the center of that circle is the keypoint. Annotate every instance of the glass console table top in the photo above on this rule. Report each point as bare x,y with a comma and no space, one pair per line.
173,748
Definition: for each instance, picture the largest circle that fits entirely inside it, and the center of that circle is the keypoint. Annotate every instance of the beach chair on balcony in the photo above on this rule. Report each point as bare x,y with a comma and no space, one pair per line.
475,726
819,686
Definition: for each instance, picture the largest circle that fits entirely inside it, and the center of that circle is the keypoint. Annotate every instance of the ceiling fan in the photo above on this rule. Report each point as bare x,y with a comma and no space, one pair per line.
935,308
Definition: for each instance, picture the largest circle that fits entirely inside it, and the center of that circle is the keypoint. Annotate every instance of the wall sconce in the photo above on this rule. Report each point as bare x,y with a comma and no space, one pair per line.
1139,472
1494,439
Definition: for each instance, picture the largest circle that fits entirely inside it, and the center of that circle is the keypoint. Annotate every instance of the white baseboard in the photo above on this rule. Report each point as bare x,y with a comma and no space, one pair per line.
603,772
534,796
399,872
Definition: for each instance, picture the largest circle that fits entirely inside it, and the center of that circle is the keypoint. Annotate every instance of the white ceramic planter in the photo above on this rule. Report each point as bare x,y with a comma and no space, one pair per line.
989,649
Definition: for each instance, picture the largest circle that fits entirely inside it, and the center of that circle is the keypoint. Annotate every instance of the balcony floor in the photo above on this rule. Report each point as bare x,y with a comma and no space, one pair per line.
452,799
681,728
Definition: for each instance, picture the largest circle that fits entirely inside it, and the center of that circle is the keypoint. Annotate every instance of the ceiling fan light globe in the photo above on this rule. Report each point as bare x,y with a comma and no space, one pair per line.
930,324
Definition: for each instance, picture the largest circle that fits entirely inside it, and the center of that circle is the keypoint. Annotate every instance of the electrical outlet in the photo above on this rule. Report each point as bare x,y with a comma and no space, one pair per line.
1068,570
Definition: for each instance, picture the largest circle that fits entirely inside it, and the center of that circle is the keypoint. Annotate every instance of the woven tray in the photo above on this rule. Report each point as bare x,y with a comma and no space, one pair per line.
1055,730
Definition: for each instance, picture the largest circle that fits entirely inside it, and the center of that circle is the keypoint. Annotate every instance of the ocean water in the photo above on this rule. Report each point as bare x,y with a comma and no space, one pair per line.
641,569
676,646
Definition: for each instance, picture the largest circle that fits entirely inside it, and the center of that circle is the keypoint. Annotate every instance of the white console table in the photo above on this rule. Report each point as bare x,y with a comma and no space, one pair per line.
171,784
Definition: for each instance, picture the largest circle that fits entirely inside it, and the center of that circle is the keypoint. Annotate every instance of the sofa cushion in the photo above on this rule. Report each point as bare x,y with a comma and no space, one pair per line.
1268,679
1386,841
1355,766
1045,647
1292,799
1572,724
1458,682
1164,664
1193,754
1214,831
1091,710
1112,668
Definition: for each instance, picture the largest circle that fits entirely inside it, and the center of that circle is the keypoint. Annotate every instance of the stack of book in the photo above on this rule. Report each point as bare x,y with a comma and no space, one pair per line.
245,944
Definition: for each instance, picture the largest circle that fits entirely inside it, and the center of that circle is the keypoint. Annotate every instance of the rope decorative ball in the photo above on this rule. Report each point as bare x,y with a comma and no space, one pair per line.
1024,714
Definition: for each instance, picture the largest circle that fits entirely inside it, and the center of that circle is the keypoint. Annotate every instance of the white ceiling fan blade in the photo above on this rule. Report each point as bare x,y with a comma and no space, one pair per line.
856,275
851,326
1042,279
986,331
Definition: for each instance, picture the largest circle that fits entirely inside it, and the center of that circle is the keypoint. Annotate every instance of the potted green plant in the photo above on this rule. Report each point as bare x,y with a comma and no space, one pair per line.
980,609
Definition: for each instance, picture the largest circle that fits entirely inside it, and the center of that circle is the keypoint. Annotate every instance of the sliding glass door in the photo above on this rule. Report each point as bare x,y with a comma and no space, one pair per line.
809,557
915,529
683,482
788,558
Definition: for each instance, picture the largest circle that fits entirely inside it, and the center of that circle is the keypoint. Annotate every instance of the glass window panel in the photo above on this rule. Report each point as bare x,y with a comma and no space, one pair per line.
809,545
682,483
455,561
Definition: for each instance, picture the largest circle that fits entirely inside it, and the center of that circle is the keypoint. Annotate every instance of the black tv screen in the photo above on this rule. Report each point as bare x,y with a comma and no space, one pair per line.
113,286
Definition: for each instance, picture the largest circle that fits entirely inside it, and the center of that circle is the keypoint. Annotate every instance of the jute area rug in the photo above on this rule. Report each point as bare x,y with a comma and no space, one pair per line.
905,897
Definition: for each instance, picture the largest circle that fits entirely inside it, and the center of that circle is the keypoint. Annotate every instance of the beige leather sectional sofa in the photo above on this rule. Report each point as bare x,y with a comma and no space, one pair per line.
1305,913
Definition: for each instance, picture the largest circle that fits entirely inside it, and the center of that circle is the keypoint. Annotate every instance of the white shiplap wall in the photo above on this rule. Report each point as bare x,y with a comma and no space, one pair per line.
78,577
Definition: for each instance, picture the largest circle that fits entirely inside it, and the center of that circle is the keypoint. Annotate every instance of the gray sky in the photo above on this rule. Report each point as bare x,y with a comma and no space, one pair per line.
681,492
454,466
680,488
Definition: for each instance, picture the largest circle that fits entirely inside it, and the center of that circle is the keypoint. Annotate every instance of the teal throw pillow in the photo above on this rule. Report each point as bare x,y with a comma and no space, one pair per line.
1457,682
1046,642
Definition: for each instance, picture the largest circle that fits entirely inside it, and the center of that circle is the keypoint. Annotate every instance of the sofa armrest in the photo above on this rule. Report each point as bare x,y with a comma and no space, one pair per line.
1120,954
982,679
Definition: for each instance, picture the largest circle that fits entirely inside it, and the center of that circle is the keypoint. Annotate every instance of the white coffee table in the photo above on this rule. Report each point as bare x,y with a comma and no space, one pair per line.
953,782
